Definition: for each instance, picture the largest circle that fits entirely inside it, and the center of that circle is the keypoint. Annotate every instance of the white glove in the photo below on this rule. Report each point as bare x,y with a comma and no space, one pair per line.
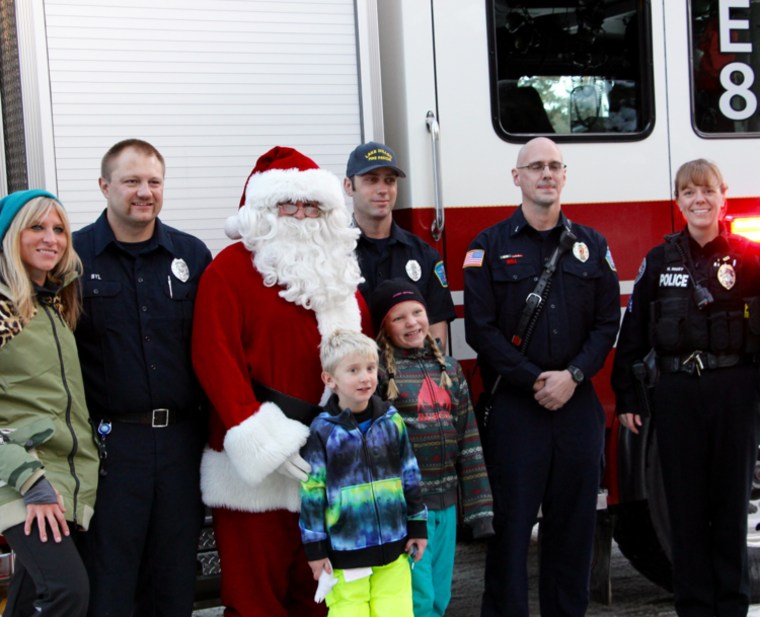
295,467
326,583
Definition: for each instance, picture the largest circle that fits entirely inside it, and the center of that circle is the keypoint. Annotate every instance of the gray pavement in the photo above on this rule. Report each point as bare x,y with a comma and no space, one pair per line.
632,594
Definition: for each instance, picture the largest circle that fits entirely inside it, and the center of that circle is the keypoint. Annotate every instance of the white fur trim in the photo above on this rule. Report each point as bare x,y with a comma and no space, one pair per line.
260,444
343,315
222,487
267,189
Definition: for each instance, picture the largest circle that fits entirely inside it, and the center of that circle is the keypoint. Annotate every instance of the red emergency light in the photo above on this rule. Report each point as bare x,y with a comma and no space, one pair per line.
747,226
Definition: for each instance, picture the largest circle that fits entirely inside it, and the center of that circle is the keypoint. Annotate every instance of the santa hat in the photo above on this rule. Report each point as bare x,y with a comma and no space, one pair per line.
284,174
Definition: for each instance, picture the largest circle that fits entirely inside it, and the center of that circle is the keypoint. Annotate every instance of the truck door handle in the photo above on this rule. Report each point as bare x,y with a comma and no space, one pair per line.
436,229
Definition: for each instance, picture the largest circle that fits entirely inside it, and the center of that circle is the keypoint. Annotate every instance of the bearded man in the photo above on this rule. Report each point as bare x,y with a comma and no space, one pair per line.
263,306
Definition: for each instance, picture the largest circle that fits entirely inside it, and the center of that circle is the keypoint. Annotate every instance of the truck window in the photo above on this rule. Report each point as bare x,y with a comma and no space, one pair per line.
575,70
724,89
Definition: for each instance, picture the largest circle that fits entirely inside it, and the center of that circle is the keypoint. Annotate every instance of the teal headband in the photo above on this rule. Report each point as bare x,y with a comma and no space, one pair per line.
10,206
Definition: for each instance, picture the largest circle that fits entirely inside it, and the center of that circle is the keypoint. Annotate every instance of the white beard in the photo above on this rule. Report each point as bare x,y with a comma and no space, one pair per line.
313,259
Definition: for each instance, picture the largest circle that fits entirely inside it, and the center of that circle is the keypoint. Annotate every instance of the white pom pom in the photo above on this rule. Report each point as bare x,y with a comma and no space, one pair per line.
232,227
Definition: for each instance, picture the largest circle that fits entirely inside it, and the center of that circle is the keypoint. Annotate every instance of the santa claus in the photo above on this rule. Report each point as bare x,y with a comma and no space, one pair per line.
263,306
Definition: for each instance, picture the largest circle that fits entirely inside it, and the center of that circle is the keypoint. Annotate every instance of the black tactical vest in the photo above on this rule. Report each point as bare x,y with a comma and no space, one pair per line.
678,325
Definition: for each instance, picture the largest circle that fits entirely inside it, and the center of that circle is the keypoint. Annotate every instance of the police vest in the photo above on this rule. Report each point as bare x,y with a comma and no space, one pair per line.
721,326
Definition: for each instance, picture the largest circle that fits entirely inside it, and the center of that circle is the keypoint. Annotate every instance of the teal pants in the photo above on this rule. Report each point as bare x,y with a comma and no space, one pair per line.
387,592
431,577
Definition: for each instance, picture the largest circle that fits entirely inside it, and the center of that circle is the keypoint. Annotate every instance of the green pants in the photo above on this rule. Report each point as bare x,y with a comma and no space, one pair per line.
431,577
387,592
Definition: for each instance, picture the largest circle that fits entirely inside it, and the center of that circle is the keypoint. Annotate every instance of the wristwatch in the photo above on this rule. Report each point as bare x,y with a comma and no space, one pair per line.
577,374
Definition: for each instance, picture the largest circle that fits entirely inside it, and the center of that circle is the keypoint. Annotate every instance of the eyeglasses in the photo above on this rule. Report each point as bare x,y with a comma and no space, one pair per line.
538,167
310,209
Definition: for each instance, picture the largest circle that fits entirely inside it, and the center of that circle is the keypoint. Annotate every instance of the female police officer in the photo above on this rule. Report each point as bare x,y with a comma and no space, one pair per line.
695,302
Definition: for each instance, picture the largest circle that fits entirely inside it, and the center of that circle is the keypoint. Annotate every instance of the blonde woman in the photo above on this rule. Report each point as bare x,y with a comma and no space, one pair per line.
48,458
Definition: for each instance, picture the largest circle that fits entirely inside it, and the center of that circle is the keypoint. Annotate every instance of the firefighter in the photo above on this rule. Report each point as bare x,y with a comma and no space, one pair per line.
695,303
385,250
545,434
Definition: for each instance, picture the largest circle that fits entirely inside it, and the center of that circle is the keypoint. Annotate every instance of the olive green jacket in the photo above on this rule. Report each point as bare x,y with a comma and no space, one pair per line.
44,427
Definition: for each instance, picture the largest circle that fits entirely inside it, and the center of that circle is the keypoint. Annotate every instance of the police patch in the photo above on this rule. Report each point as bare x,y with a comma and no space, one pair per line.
674,277
440,272
608,258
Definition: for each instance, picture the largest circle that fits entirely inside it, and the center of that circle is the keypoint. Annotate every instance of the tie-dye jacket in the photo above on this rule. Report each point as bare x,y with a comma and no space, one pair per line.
362,499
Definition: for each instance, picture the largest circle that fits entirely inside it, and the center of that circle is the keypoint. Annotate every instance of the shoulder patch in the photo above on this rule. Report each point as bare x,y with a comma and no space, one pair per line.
440,272
474,258
642,269
608,258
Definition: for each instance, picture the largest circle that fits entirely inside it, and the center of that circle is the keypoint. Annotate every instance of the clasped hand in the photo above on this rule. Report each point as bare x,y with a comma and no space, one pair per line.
553,389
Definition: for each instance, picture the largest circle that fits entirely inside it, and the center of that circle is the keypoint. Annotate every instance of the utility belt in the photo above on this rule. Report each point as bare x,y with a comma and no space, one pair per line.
699,361
294,408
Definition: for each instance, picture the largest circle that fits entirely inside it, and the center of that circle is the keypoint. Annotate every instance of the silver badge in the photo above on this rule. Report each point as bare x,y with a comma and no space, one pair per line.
727,276
580,250
414,270
180,270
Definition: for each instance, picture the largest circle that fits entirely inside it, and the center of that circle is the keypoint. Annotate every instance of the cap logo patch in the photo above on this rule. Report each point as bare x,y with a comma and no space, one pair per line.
378,154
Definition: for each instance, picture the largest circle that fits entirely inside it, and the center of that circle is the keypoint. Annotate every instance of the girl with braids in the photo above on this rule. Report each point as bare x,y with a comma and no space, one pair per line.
430,392
48,458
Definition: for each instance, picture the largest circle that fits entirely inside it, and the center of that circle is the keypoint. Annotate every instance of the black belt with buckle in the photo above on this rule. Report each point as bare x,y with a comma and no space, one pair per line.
698,361
158,418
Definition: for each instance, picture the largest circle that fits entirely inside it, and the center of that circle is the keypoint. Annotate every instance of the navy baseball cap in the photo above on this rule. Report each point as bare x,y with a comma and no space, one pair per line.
372,155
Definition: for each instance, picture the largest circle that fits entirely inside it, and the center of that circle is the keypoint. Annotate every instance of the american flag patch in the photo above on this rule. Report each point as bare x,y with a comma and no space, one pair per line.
474,258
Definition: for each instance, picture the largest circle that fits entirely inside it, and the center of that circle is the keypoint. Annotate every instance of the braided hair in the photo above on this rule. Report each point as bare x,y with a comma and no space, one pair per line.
388,358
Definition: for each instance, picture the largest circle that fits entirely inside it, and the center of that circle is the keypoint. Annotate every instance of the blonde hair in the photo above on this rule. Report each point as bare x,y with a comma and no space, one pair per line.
15,275
699,172
343,343
386,352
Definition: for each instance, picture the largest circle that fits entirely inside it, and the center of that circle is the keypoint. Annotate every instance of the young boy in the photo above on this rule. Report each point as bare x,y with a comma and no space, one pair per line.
361,506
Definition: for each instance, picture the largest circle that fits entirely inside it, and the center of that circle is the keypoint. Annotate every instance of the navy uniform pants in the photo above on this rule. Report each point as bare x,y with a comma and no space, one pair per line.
551,459
707,434
140,550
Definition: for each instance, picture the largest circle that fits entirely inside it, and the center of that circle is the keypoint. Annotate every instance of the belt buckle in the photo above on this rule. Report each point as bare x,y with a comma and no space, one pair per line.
160,418
533,296
694,363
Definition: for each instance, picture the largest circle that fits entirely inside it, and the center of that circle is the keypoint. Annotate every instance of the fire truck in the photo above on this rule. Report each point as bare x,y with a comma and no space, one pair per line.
629,89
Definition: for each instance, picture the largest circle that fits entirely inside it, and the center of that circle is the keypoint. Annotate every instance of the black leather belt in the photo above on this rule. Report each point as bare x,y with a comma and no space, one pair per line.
698,361
158,418
294,408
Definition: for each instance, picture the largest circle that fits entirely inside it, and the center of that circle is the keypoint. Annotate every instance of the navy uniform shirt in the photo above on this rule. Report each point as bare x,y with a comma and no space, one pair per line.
580,318
405,256
134,334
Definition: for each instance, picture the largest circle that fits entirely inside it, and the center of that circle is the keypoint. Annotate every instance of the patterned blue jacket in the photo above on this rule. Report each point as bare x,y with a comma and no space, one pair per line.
362,500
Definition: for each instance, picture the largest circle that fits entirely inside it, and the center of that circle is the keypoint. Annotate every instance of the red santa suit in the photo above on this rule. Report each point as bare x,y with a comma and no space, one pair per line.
245,331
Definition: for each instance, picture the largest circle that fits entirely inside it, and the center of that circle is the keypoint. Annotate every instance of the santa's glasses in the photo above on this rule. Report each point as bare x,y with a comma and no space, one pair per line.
310,209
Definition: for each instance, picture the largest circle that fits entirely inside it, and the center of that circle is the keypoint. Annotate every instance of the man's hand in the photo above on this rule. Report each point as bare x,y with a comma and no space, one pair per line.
631,421
558,387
